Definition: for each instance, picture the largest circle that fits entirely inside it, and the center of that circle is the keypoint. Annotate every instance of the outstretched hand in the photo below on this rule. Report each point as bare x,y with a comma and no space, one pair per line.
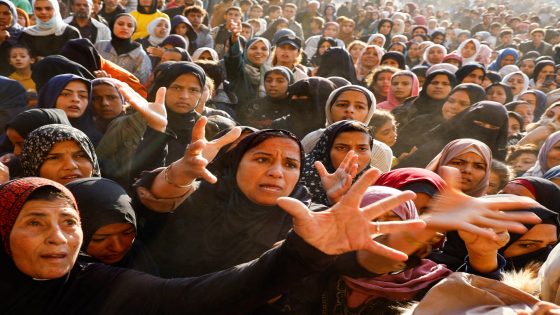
154,113
453,210
338,183
200,152
347,227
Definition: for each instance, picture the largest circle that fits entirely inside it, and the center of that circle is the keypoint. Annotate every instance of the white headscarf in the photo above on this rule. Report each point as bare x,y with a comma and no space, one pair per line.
477,50
427,52
525,82
54,26
374,36
201,50
153,39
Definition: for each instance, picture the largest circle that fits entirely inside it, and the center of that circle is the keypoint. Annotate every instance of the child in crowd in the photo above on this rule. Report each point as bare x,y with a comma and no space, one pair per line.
21,59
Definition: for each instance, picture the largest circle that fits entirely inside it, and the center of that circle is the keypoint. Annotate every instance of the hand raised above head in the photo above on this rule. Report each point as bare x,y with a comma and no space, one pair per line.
347,227
154,113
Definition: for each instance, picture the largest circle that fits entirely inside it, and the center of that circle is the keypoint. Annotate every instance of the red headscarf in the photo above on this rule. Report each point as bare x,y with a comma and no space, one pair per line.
402,177
14,195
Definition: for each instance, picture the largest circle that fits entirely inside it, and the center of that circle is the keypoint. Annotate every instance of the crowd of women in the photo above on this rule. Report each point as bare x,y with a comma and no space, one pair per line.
279,157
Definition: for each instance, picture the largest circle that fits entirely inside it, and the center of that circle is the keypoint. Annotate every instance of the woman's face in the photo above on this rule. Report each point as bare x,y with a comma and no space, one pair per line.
456,103
258,53
468,50
439,39
546,70
124,27
527,66
111,242
538,237
324,46
65,163
497,94
370,58
523,162
73,99
475,77
43,10
106,102
553,113
473,169
276,85
439,87
184,94
269,171
398,48
377,41
435,55
553,156
181,29
529,98
205,56
385,28
350,105
16,139
401,86
526,111
161,29
286,54
6,17
351,140
170,55
507,60
413,51
387,133
46,238
356,51
514,126
422,202
516,83
391,63
383,83
493,183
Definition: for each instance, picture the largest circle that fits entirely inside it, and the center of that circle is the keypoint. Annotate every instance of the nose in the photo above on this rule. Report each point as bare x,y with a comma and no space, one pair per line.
117,245
350,108
467,168
275,170
56,236
69,163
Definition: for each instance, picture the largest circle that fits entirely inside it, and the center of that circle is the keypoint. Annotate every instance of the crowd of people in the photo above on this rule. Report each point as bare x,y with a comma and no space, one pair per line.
279,157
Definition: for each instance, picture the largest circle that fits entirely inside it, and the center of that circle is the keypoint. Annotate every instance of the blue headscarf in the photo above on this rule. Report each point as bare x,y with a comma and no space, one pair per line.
13,29
495,65
552,173
50,93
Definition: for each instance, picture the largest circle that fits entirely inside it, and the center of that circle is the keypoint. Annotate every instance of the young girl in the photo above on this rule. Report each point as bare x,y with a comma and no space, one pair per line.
434,54
469,50
404,84
21,60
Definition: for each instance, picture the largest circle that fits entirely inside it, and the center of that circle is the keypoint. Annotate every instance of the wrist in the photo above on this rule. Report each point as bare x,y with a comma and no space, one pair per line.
483,262
175,177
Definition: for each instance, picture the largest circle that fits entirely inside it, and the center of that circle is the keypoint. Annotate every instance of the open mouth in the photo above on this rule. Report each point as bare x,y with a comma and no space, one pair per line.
271,188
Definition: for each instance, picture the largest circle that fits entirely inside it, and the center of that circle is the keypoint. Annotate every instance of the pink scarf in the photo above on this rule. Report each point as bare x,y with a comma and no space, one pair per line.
392,101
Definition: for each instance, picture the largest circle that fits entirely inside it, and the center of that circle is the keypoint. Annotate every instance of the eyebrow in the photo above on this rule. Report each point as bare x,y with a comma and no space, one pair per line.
269,154
65,89
109,234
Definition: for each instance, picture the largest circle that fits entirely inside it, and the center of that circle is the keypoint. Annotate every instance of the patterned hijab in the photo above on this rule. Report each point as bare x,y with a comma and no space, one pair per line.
39,143
321,152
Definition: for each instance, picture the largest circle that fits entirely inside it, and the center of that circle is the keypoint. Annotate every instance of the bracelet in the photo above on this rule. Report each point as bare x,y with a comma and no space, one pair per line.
167,180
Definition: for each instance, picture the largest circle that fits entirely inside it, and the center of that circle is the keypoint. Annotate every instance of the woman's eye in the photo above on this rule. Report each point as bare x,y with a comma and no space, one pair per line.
261,160
70,222
97,240
34,223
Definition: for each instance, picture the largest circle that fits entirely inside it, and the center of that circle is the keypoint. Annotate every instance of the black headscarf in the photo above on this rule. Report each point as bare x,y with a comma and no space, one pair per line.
321,152
546,192
344,66
316,58
397,56
50,93
12,94
151,10
476,92
339,81
218,226
31,119
507,90
387,36
40,141
82,51
124,45
465,70
51,66
487,112
101,202
181,124
539,66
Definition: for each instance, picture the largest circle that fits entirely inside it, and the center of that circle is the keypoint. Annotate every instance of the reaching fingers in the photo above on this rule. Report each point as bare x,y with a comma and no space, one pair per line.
500,225
160,95
451,176
295,208
507,202
378,208
199,130
228,138
380,249
349,159
195,148
321,169
396,226
356,192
